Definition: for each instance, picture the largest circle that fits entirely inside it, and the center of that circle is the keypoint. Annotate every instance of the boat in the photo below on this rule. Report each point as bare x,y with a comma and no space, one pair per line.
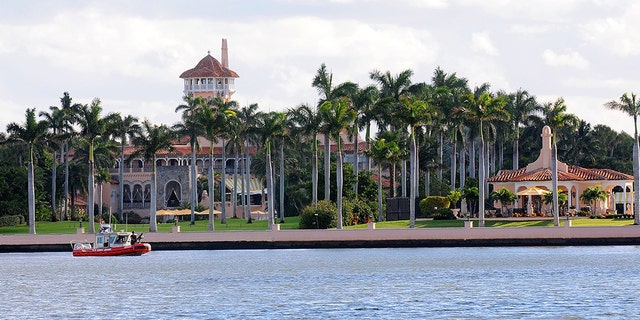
110,243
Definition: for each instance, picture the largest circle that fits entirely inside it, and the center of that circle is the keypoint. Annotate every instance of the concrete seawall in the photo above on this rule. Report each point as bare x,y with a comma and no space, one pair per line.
362,238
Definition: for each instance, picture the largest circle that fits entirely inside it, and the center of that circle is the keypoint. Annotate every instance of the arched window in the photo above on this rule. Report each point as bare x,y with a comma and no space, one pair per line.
137,193
173,194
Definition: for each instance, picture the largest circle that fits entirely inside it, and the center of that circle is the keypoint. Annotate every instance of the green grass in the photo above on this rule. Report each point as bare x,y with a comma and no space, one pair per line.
291,223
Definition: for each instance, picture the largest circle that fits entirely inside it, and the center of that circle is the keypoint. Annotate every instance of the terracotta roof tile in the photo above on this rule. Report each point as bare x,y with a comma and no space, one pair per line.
574,173
209,67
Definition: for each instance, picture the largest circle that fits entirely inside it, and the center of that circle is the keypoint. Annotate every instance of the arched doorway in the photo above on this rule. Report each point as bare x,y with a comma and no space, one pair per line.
173,192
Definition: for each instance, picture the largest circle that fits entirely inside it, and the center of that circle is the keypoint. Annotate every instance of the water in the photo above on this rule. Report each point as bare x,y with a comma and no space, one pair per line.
412,283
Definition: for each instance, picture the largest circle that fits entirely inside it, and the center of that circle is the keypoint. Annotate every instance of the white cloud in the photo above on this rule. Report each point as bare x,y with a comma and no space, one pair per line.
619,35
481,42
571,59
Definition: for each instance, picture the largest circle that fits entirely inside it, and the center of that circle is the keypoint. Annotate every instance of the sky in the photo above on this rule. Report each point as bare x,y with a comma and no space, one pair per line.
130,54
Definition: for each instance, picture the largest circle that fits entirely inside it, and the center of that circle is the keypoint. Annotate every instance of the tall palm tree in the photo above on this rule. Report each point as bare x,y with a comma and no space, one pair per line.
273,124
69,111
102,176
123,128
556,116
521,106
58,126
247,118
192,128
92,126
323,82
363,103
213,118
31,133
414,113
630,105
306,123
152,140
381,151
480,109
337,116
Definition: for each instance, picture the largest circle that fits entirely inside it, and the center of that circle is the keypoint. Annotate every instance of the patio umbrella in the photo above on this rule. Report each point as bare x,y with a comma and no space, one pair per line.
533,191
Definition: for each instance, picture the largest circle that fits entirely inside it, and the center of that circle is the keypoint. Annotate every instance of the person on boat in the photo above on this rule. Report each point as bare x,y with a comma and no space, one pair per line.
134,238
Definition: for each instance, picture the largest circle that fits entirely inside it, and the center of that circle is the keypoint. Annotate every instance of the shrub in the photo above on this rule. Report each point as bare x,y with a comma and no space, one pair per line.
132,217
444,214
326,213
428,204
362,211
10,220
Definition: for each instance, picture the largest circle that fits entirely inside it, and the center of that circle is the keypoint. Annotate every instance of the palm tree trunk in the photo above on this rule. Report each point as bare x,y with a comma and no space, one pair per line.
53,185
403,177
392,175
90,202
235,186
31,195
481,180
412,179
194,187
636,180
270,191
463,159
367,164
153,224
380,192
453,164
355,163
66,180
314,173
281,212
327,167
440,155
247,181
121,184
339,183
472,160
100,199
223,186
210,182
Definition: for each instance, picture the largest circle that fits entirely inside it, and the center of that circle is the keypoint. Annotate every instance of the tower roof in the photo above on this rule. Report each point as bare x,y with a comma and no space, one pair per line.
209,67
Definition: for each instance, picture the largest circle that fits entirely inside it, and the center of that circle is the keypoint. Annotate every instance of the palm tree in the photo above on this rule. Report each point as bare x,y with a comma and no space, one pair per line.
631,106
92,126
323,82
521,105
123,128
363,103
273,125
191,128
31,134
152,140
556,116
213,117
102,176
414,113
381,151
592,194
481,109
58,126
306,123
337,116
248,120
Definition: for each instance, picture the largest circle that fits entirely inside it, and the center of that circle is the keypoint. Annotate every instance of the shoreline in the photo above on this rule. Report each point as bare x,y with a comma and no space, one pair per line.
361,238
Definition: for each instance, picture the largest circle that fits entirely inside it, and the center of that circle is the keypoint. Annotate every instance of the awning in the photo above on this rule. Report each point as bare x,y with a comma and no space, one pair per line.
256,185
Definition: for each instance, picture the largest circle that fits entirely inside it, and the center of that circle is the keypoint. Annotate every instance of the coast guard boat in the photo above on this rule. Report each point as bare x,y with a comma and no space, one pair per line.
110,243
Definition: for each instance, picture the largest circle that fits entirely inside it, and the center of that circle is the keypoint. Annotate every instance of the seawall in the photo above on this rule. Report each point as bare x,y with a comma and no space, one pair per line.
361,238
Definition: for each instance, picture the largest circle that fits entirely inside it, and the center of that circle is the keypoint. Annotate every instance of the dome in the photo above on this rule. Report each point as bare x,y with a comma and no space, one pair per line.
209,67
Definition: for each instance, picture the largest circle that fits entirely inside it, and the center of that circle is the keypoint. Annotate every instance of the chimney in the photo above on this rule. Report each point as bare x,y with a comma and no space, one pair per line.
225,54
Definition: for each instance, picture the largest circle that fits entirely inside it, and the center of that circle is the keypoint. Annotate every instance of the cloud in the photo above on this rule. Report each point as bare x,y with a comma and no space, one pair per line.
571,59
480,42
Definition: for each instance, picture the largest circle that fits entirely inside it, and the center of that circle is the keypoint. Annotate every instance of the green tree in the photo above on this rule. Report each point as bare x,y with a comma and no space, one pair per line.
123,128
630,105
481,109
271,127
337,116
58,126
152,140
192,128
591,194
505,197
305,124
381,152
92,126
31,133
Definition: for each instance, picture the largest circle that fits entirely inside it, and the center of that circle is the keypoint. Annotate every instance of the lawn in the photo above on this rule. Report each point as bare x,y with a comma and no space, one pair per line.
61,227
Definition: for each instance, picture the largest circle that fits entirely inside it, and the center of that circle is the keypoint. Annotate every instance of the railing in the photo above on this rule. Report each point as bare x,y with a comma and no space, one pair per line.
209,87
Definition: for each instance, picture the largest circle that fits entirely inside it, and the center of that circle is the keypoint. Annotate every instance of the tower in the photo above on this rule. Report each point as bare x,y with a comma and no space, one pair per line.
210,78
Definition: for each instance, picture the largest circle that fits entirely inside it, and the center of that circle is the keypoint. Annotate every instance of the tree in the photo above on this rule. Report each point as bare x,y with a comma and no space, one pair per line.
92,126
591,194
630,105
273,124
414,113
505,197
152,140
31,133
337,116
323,82
102,176
123,128
381,152
562,199
192,128
521,106
481,109
213,118
306,123
58,126
247,117
556,116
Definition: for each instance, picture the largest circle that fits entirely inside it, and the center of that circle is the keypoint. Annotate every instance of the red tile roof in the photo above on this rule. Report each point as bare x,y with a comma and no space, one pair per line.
574,173
209,67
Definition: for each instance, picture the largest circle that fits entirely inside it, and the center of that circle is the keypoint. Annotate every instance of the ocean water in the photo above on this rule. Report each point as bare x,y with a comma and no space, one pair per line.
403,283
